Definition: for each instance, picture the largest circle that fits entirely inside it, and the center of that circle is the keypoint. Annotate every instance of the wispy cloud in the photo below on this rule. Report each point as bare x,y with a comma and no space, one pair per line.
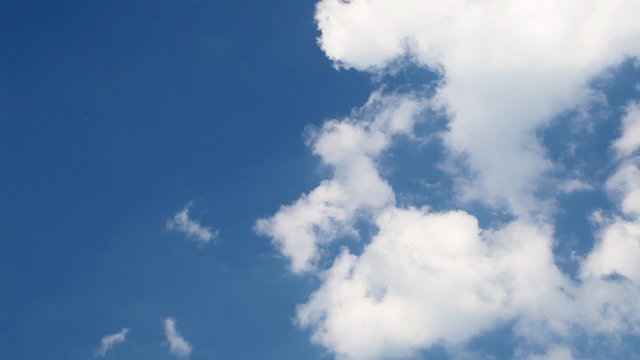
177,344
110,341
181,222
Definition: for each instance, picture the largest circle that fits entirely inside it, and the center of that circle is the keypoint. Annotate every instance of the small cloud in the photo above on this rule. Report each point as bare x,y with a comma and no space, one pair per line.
629,141
177,344
110,341
191,228
555,353
575,185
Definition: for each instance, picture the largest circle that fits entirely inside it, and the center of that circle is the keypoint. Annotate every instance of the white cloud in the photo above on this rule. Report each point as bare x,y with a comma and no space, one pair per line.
575,185
509,68
109,341
624,184
191,228
437,278
430,278
617,251
350,148
177,344
630,139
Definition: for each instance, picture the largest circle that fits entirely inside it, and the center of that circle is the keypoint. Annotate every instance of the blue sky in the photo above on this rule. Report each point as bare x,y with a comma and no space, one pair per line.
292,180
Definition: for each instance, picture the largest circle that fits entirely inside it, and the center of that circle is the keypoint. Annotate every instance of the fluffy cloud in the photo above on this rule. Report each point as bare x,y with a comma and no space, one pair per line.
191,228
177,344
508,66
110,341
575,185
508,69
350,148
437,278
430,278
625,185
630,139
617,253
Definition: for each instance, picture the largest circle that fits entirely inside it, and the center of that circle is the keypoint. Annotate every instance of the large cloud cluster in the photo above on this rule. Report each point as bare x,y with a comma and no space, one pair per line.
430,278
508,69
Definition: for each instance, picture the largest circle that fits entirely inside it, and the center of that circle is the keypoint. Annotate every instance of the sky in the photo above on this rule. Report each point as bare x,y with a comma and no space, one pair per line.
349,180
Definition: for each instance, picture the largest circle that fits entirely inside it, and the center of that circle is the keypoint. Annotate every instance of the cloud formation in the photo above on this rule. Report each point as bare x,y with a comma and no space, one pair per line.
618,252
429,278
191,228
630,139
437,278
350,148
508,69
109,341
177,344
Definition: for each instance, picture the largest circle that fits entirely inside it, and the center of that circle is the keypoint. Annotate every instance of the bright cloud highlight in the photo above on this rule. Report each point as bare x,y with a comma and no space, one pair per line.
630,139
350,147
508,68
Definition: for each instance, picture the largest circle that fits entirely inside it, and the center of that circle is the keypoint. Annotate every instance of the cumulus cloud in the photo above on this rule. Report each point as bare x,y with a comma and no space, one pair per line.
508,68
575,185
429,278
191,228
618,250
437,278
177,344
630,139
109,341
624,184
350,148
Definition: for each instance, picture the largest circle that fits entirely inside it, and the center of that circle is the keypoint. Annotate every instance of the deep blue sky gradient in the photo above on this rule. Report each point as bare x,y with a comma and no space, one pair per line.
115,114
